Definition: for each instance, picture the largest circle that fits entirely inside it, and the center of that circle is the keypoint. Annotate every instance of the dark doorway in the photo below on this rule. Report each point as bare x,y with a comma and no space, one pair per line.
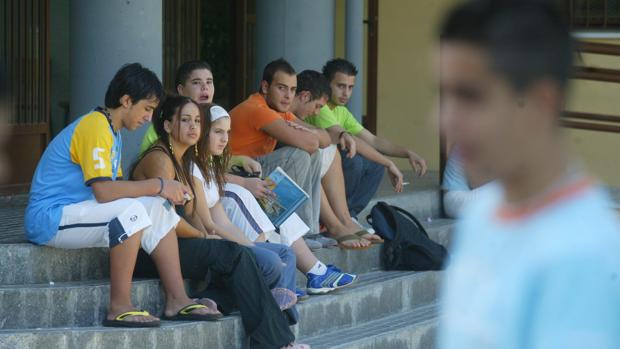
219,32
228,44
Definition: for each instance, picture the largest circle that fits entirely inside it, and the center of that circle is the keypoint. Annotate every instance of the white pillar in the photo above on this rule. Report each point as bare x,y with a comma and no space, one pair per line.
105,34
300,31
354,51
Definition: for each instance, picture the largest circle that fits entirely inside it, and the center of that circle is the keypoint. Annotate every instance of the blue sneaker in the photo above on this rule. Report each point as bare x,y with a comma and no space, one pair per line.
301,294
333,279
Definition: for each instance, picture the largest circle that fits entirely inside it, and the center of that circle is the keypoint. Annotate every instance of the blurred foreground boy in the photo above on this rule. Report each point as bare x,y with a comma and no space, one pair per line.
535,261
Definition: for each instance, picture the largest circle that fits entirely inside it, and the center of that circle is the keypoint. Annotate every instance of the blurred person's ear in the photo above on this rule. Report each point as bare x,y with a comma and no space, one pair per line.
545,98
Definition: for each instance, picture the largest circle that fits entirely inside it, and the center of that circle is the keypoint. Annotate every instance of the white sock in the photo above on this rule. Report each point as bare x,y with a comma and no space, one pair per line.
318,269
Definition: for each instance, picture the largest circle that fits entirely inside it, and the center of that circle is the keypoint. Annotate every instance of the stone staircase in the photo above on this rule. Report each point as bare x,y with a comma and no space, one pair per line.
53,298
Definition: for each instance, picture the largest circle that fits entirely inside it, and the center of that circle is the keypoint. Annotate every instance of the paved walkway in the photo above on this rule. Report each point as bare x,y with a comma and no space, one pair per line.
12,218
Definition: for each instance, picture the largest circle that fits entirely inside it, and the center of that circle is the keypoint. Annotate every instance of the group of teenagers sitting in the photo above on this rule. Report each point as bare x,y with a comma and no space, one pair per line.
181,214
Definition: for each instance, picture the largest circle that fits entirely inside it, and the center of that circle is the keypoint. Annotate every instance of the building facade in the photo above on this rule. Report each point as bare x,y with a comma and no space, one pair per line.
63,53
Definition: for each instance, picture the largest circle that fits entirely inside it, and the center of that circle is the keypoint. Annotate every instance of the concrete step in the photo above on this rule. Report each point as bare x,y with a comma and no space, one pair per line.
414,329
79,304
226,333
30,264
440,230
375,295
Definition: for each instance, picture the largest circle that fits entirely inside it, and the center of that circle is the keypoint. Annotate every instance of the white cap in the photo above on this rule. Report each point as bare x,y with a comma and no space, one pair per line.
217,113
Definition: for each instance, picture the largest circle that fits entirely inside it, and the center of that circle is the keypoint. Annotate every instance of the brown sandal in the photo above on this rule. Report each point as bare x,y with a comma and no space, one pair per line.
361,234
351,237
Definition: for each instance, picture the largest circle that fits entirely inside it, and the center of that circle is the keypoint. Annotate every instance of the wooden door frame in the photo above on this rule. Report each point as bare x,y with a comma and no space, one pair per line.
244,75
241,18
370,119
29,82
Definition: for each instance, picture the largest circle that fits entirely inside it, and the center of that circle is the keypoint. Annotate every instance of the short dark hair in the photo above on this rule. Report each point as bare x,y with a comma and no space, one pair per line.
338,65
273,67
313,82
527,40
135,81
186,69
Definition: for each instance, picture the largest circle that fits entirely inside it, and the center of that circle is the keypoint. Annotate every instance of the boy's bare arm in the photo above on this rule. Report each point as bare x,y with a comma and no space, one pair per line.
286,134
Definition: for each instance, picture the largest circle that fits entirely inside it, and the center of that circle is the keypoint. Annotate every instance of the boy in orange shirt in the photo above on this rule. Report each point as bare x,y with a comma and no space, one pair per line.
262,122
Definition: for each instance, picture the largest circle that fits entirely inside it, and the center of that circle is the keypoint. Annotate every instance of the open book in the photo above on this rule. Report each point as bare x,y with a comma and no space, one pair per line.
287,199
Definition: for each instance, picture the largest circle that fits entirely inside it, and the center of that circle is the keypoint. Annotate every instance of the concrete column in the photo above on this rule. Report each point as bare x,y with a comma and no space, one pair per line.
300,31
105,34
354,51
60,74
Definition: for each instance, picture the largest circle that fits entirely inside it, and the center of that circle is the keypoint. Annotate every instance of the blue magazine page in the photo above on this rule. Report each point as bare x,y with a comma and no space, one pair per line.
287,199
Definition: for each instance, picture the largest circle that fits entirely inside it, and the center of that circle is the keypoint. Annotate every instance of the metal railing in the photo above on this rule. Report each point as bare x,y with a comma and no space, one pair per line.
576,119
593,121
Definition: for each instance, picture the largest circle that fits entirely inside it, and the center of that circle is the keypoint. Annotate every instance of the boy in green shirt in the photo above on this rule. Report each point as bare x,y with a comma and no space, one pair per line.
363,153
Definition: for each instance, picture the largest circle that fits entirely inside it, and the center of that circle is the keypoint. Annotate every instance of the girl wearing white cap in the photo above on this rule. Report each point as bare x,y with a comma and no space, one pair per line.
180,152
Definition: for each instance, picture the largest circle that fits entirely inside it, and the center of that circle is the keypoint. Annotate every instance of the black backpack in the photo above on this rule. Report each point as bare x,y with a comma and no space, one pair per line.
407,245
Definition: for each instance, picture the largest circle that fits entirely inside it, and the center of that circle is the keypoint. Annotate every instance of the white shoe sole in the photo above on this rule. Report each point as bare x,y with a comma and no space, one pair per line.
314,291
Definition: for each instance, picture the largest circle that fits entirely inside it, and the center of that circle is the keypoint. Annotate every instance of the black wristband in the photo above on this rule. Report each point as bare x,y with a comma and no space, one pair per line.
161,185
341,133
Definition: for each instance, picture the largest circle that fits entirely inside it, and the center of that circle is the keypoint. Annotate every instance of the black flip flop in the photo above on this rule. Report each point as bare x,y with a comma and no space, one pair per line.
185,314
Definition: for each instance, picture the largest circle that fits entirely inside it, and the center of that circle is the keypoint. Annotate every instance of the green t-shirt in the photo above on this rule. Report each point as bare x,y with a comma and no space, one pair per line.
340,116
150,137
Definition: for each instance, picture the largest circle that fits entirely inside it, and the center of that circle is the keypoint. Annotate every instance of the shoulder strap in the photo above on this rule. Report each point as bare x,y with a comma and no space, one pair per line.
381,205
412,218
155,147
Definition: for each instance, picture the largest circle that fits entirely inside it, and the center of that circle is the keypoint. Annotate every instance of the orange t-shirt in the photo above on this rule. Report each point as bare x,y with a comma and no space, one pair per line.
247,121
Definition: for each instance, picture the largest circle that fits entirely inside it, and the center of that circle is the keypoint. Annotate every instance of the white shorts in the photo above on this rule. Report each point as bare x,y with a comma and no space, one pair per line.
244,212
327,157
93,224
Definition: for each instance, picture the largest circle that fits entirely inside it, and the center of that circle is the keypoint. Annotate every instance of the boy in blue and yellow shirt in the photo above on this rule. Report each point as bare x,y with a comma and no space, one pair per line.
78,201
